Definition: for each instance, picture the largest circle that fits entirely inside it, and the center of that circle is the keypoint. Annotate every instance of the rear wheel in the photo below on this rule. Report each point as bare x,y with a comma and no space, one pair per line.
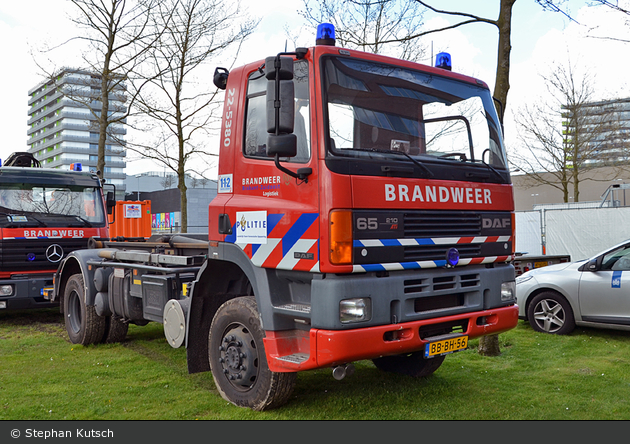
83,325
550,312
411,364
238,362
115,330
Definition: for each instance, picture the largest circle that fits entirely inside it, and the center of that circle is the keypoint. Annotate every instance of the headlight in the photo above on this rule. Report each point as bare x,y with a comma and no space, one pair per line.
523,278
508,291
355,310
6,290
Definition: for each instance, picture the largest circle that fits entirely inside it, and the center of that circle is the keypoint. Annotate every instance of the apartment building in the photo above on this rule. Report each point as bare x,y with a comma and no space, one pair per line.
63,127
601,128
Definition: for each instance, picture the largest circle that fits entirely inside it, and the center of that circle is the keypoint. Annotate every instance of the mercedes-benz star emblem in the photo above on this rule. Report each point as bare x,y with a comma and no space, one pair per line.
54,253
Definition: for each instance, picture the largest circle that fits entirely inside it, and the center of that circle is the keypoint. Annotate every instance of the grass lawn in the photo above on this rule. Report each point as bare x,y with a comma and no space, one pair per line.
537,377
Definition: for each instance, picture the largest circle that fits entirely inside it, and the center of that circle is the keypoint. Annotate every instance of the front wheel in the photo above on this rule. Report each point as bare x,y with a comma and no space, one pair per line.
412,364
83,325
550,312
238,362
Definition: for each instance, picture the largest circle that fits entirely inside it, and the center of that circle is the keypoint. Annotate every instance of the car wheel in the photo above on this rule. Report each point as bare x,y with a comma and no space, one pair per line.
238,362
550,312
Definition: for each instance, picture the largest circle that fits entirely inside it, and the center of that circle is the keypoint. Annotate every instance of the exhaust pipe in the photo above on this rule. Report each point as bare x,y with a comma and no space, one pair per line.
341,371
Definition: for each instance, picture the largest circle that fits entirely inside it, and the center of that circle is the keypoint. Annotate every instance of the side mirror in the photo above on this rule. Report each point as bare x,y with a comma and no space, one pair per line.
281,142
110,201
592,265
280,107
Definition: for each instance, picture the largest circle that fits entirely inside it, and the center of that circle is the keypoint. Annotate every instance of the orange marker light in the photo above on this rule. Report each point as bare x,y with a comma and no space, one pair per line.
341,237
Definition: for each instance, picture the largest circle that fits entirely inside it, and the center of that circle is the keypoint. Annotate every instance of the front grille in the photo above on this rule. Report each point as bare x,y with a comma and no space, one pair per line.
423,224
438,283
14,253
417,236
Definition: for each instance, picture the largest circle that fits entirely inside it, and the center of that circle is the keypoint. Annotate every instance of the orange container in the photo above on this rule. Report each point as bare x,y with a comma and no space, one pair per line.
131,219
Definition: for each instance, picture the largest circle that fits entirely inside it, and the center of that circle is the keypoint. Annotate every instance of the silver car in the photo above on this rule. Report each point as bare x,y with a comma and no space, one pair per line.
590,293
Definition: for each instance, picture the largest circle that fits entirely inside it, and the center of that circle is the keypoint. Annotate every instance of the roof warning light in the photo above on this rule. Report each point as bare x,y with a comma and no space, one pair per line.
325,34
443,60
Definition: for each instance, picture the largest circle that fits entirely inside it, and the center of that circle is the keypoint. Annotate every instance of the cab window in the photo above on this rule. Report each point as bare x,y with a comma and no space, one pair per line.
256,120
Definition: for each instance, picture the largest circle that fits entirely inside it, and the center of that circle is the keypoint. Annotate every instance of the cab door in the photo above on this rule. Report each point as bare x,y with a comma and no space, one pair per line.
275,217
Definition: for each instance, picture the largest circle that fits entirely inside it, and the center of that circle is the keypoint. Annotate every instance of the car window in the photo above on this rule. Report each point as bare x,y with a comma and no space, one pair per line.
618,259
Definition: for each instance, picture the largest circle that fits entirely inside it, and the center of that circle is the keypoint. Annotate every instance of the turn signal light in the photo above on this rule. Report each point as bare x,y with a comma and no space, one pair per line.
341,237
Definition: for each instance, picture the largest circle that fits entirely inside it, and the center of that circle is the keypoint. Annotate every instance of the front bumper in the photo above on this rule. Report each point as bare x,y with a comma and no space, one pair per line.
27,293
294,350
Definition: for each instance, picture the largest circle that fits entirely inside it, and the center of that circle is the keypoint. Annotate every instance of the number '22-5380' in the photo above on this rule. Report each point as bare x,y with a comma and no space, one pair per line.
228,117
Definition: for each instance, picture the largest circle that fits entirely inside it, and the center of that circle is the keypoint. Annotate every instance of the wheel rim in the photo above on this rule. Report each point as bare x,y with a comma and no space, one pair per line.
239,357
74,311
549,315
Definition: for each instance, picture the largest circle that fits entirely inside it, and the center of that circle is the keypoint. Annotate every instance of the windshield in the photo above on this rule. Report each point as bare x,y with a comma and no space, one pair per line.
383,108
69,205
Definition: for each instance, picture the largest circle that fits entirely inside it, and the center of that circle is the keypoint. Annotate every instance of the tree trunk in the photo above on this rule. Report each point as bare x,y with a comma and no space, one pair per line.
489,345
502,82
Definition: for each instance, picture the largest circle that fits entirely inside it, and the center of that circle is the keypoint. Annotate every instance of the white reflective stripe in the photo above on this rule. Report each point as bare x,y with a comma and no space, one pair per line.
504,238
264,251
288,262
446,240
371,243
404,242
315,268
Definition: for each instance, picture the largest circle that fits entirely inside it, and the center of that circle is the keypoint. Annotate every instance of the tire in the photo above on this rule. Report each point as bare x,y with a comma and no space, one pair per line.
115,330
238,361
412,364
83,325
549,312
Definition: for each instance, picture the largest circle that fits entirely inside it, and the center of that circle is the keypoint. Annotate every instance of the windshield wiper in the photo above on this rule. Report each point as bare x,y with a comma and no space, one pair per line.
86,222
490,167
18,223
377,150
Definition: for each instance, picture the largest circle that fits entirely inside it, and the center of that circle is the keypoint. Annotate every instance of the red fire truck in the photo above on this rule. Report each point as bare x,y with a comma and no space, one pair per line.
364,212
44,214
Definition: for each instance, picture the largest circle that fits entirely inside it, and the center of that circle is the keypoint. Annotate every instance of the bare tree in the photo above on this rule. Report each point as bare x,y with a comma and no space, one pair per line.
118,34
503,23
565,132
376,26
195,31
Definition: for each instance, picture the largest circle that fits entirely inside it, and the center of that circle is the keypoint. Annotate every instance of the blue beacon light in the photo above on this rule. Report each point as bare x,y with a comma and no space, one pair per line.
325,34
452,257
443,60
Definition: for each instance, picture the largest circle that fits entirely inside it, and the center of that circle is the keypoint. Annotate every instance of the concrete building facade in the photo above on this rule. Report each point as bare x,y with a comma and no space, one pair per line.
63,127
602,130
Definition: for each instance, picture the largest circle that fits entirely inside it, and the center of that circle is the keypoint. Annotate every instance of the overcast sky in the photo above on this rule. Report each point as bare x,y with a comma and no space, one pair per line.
539,38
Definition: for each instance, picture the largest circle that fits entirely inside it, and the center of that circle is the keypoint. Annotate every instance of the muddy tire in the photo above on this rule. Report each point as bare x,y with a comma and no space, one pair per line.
83,325
238,362
115,330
